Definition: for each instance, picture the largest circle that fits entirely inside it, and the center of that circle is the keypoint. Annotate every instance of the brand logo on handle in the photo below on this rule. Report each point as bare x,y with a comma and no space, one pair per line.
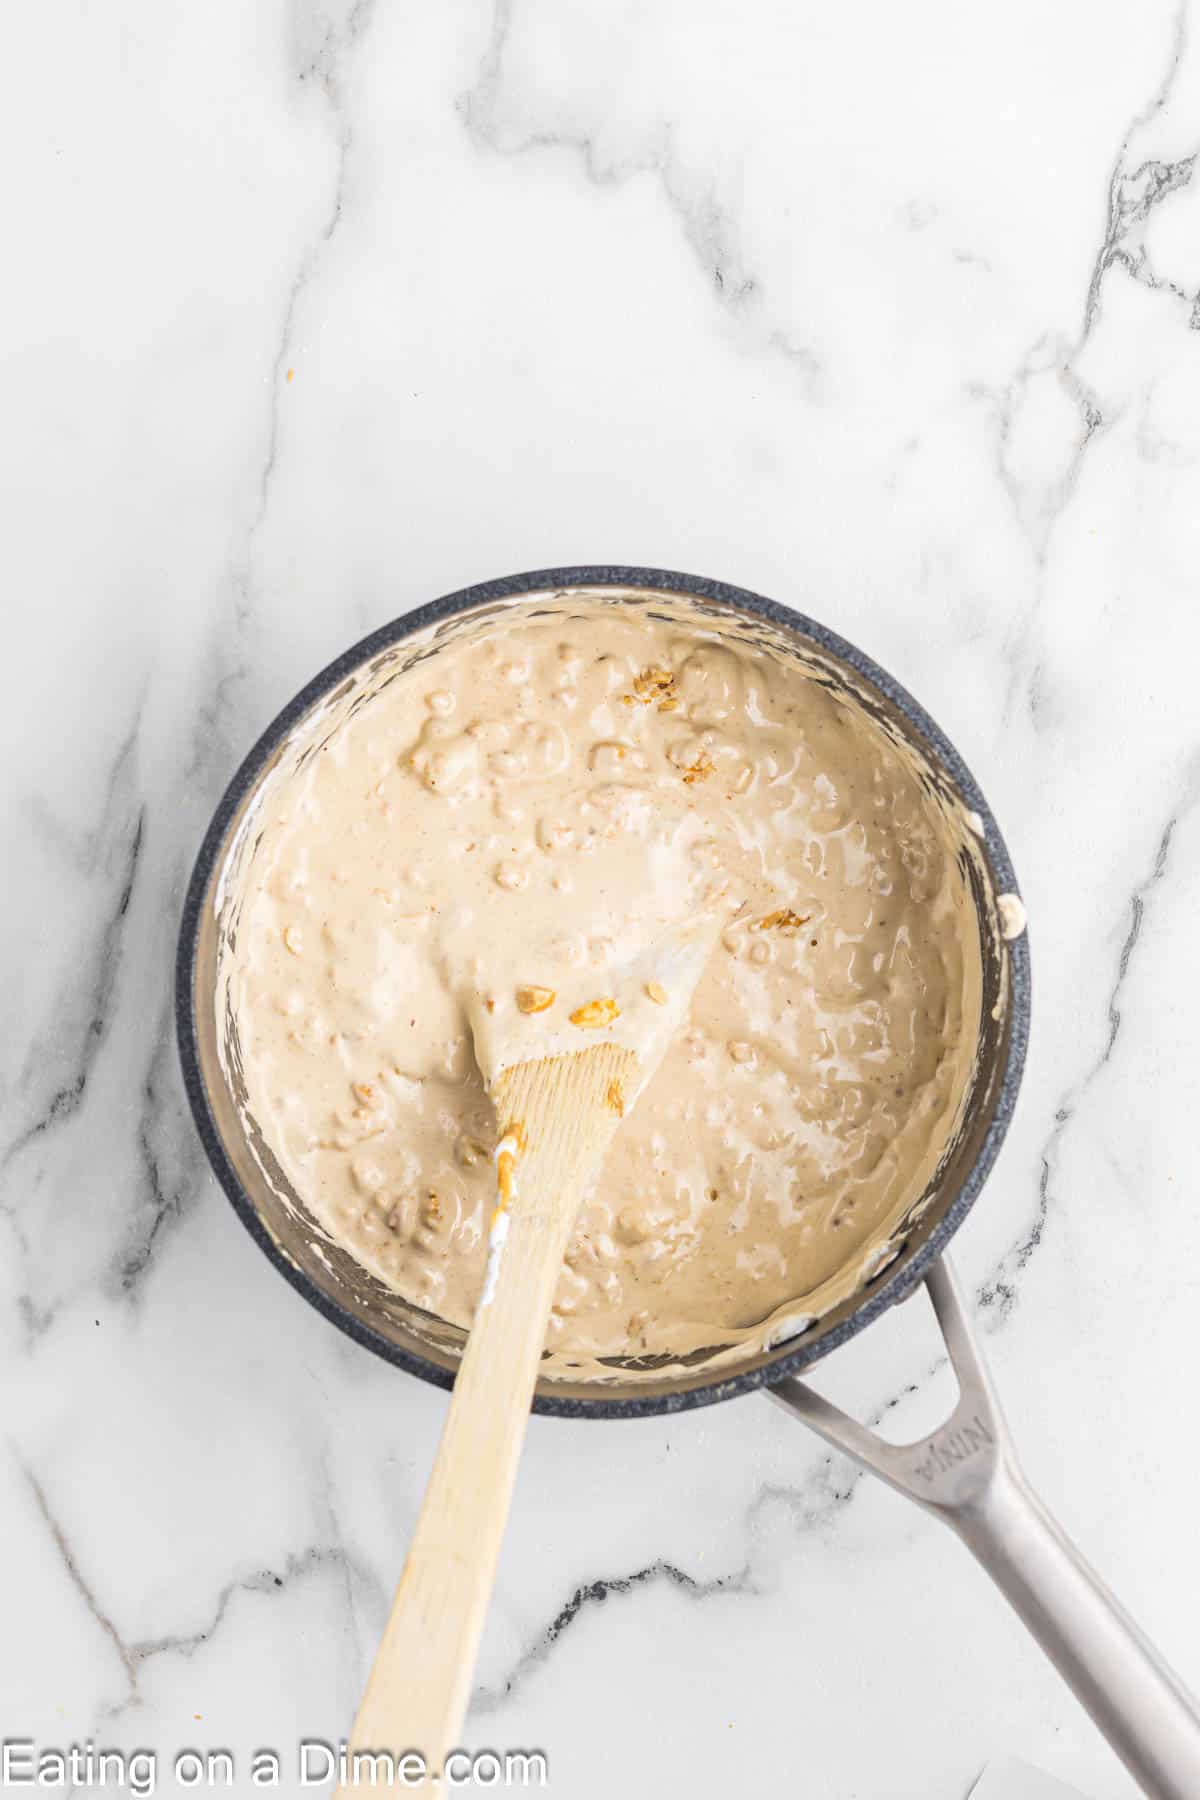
953,1448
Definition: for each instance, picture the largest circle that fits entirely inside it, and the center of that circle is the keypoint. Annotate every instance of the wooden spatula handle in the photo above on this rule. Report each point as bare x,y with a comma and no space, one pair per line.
417,1693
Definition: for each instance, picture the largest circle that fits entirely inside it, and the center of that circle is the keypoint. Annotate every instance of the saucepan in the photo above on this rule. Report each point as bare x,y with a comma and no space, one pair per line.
966,1472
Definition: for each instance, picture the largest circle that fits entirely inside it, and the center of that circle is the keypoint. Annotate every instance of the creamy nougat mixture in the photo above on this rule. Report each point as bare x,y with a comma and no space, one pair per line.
527,825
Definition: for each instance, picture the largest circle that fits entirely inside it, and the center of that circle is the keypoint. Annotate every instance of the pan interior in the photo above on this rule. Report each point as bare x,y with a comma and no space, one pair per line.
344,1285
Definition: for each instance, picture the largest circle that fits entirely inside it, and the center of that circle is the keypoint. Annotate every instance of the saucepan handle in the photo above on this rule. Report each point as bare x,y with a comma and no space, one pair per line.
1137,1701
967,1474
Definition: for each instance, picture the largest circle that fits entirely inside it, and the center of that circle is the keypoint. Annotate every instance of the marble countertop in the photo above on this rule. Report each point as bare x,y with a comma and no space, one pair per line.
315,311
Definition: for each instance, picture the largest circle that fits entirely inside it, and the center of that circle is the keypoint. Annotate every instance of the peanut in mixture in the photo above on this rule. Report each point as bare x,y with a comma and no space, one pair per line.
470,871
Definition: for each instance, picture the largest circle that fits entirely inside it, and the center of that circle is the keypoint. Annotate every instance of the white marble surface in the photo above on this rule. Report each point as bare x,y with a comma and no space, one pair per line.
313,311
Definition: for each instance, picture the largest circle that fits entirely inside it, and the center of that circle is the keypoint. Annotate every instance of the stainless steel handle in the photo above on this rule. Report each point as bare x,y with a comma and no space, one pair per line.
966,1473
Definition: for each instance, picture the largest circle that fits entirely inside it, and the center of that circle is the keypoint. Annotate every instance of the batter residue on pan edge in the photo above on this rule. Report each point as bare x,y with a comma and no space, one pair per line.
469,869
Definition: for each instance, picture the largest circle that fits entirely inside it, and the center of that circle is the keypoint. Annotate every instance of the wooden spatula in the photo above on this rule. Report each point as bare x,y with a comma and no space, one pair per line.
557,1116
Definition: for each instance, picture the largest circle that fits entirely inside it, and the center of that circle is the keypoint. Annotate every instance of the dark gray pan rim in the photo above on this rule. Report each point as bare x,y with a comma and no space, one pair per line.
888,1291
